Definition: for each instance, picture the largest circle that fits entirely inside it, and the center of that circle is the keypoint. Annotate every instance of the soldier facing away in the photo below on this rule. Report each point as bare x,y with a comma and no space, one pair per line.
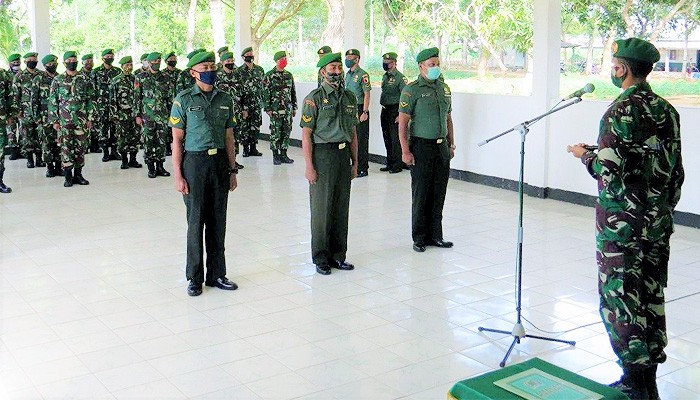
280,103
41,93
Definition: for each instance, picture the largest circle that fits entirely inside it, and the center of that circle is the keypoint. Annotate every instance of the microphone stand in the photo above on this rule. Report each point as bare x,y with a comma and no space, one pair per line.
518,331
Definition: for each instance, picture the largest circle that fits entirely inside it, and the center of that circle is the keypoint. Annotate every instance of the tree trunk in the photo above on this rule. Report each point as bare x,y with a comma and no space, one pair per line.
401,52
664,21
189,44
483,65
132,27
217,23
589,51
333,34
607,53
301,54
371,30
685,50
628,20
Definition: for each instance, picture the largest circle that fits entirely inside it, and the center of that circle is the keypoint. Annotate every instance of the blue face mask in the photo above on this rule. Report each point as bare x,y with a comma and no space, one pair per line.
349,63
433,73
207,77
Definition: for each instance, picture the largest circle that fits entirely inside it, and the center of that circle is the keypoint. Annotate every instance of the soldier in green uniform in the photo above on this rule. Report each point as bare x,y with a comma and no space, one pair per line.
357,81
639,172
5,120
40,94
425,114
104,126
121,94
227,82
144,66
250,77
222,50
22,93
152,95
172,73
185,80
86,70
12,147
71,112
280,103
393,83
204,164
322,52
329,142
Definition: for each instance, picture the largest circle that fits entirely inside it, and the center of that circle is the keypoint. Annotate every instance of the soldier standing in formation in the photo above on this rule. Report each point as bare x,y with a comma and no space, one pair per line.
250,78
13,124
41,93
280,103
227,82
86,70
22,93
427,104
329,142
71,112
121,94
152,95
143,71
322,52
222,50
640,173
104,126
171,72
357,81
393,83
5,120
185,80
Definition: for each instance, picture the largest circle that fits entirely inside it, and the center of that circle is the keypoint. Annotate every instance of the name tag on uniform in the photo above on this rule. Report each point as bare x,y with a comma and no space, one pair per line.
341,146
212,152
195,108
439,141
223,107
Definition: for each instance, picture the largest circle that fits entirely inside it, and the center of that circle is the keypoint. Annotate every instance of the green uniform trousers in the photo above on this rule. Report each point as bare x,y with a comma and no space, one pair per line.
49,146
362,142
390,132
330,202
429,178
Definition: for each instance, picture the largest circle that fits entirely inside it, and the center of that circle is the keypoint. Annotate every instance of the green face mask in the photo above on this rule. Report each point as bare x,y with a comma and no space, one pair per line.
615,80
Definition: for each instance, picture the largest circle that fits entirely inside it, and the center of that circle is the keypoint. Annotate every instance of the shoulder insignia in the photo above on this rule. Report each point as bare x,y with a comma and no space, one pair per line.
365,78
405,80
325,101
174,120
447,91
403,104
306,118
310,103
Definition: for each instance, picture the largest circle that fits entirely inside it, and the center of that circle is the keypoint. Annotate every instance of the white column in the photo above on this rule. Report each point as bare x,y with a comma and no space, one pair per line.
39,24
242,21
354,27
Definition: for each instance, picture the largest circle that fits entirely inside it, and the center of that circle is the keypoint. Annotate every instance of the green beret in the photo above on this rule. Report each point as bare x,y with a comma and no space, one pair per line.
247,49
202,56
222,49
107,51
31,54
193,52
153,56
13,57
352,52
168,55
427,53
144,56
636,49
324,50
280,54
390,56
125,60
226,55
329,58
87,57
69,54
48,58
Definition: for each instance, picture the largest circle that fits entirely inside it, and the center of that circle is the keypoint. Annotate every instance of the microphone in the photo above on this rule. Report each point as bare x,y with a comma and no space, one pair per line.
591,147
589,88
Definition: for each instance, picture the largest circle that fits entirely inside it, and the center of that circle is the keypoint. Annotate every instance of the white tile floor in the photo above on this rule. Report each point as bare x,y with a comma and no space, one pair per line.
93,302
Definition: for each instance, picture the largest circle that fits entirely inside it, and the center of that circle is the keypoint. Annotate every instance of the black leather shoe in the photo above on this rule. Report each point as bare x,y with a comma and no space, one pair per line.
385,169
343,265
419,247
323,269
396,170
239,166
223,283
441,243
362,174
194,288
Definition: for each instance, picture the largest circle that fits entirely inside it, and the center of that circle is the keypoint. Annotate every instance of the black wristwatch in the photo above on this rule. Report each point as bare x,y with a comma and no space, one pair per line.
365,112
233,171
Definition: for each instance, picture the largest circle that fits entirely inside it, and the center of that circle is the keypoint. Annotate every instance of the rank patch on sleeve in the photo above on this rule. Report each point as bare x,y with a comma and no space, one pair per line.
306,118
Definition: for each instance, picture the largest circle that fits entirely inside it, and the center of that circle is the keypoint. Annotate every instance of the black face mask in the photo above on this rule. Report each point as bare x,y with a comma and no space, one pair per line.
72,66
248,59
31,64
108,61
386,66
51,69
228,66
171,63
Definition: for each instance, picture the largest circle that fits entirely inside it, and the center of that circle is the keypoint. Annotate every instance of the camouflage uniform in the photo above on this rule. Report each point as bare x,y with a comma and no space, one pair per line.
279,98
121,94
5,113
251,101
93,140
172,76
29,137
184,81
152,95
640,173
104,125
13,128
40,94
228,83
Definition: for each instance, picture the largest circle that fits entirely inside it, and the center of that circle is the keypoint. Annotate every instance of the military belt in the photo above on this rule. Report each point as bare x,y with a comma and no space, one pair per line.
332,145
209,152
281,112
430,141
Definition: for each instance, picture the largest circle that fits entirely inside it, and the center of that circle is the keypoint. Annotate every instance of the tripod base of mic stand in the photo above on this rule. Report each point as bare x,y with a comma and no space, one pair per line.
518,333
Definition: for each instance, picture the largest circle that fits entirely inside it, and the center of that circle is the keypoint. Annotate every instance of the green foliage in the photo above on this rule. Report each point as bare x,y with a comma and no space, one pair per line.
14,36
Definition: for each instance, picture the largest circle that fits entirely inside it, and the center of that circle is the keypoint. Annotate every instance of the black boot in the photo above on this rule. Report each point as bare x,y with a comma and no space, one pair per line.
632,383
50,172
68,174
284,158
57,168
3,188
78,177
125,162
151,169
650,379
246,150
94,145
160,170
239,166
132,160
39,161
30,160
105,154
14,153
254,150
114,154
276,157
